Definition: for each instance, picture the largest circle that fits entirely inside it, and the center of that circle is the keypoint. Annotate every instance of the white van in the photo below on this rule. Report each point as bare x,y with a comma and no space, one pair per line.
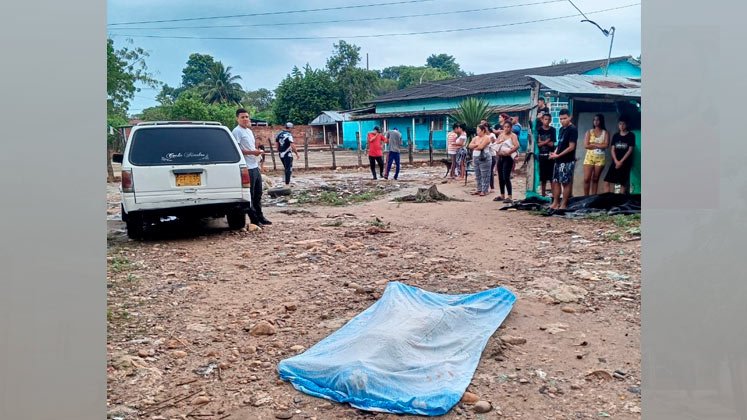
182,169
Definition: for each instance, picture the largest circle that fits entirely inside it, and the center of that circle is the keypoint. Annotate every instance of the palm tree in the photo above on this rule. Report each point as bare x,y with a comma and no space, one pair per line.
470,112
222,87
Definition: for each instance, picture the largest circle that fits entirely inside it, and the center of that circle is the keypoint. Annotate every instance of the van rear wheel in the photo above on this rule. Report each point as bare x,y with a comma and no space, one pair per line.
236,219
135,226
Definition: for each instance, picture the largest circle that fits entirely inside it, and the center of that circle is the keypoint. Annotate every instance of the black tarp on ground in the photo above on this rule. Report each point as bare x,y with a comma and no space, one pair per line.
607,203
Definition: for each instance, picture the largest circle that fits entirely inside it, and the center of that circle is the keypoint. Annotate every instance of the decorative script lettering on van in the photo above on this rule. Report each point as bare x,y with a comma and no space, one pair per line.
170,157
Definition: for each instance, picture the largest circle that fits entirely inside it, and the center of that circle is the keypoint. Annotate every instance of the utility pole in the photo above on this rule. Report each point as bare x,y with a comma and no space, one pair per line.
606,32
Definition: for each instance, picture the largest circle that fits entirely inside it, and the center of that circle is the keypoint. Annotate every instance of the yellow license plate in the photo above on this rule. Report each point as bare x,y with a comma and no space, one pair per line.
188,180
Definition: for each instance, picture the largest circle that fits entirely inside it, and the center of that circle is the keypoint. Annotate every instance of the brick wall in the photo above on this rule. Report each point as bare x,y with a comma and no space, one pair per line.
299,132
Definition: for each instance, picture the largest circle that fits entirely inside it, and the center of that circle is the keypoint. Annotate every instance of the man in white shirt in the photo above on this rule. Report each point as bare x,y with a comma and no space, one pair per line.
245,137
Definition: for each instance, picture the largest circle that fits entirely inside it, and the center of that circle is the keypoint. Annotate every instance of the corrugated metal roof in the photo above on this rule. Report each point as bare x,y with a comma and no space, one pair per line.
407,114
330,117
504,81
591,85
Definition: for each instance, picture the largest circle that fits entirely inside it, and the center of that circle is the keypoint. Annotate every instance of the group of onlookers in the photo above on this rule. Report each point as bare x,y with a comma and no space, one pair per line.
494,151
557,157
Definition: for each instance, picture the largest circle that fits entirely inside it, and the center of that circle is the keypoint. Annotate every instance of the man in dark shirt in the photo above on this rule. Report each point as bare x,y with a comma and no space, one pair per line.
542,109
564,157
546,137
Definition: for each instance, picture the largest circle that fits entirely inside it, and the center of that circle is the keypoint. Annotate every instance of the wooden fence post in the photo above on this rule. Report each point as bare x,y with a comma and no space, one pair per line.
409,145
358,138
306,151
334,161
430,148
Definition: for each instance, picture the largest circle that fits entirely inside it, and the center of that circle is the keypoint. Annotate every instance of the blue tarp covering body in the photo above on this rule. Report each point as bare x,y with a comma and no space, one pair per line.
412,351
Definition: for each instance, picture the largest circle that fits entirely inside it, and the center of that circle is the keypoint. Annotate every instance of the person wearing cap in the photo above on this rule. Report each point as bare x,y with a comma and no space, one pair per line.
286,145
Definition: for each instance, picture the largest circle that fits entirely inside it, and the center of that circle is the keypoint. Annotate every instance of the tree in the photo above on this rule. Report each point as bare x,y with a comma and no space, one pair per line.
410,76
346,56
190,106
157,113
197,70
392,73
220,86
384,86
559,62
168,94
260,99
124,69
471,111
303,95
355,85
445,63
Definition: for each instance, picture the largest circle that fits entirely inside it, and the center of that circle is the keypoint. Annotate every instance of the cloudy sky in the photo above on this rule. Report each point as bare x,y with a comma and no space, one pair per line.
483,35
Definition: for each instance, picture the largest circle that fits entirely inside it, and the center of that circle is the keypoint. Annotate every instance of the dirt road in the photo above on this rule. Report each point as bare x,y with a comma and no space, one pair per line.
186,302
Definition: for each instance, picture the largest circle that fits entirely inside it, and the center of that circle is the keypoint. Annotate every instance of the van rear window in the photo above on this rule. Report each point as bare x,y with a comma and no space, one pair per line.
182,146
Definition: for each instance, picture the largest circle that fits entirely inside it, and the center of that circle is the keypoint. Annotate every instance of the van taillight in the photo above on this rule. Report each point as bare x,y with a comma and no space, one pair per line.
127,181
245,180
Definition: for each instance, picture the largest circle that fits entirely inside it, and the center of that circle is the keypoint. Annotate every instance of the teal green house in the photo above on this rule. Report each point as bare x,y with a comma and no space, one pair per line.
420,109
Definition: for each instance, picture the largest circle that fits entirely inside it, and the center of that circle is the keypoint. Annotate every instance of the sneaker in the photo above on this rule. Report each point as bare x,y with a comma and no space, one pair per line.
265,221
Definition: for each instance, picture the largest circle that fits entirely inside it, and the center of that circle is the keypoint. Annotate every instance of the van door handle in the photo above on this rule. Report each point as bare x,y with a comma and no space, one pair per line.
190,190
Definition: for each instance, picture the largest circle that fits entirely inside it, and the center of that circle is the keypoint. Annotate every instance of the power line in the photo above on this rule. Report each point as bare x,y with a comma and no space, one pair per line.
347,20
374,35
287,12
579,10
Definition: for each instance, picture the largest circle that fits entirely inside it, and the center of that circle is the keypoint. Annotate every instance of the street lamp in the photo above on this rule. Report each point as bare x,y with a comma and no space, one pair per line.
606,32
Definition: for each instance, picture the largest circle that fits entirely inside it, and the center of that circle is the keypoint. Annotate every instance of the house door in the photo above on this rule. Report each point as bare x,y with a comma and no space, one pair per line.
584,124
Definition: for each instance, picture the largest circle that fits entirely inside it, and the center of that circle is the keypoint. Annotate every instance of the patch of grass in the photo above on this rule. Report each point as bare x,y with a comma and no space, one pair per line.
112,316
599,217
331,198
366,196
614,236
627,220
131,278
304,198
120,263
335,223
635,231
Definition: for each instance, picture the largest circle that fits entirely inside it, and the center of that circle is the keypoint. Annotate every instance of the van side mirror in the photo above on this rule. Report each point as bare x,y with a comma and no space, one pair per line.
117,157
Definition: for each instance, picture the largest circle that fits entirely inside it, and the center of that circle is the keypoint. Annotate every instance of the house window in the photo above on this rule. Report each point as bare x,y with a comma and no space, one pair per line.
438,124
420,120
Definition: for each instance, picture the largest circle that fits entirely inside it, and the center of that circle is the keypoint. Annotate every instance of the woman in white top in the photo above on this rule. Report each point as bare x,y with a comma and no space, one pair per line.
493,156
481,159
508,144
595,142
